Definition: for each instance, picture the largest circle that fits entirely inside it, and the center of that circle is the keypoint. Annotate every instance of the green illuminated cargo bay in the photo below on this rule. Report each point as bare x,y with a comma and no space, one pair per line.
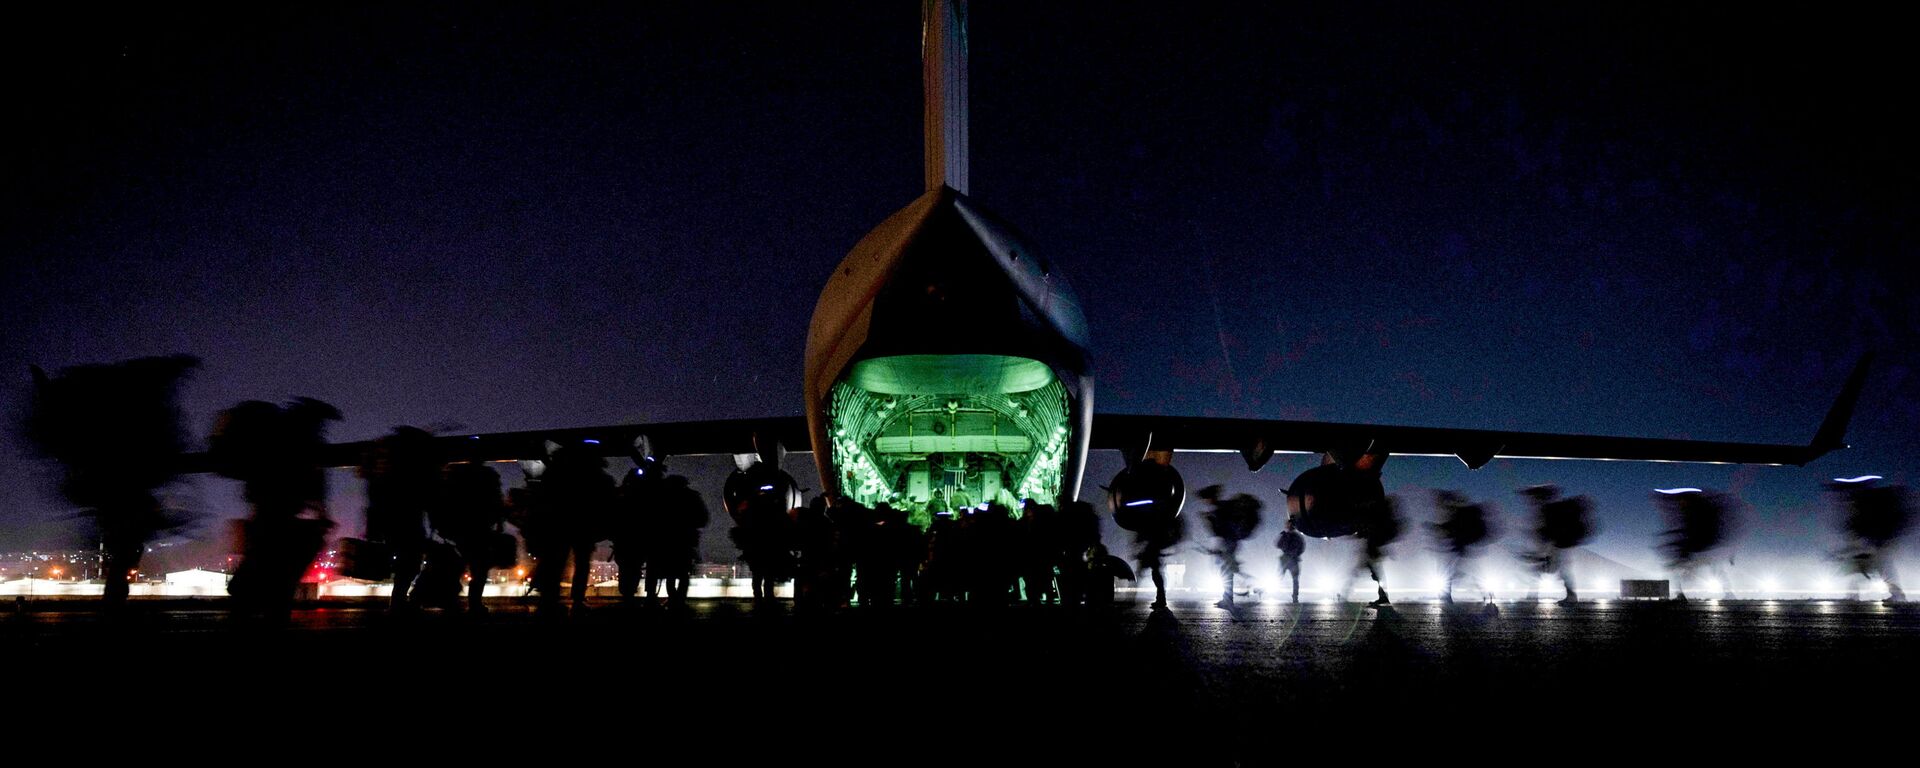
929,433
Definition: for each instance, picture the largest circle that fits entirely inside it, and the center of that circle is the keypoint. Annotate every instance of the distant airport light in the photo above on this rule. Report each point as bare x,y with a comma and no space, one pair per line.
1860,479
1140,503
1673,491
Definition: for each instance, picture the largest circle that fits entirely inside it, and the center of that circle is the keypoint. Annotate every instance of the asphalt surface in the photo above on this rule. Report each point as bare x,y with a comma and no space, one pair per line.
1194,685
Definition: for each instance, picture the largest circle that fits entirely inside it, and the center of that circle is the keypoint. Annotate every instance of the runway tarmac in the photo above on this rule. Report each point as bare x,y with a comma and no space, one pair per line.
1196,684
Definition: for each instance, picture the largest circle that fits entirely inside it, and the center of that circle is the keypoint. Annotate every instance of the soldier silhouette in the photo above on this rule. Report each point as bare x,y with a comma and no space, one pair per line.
1378,527
642,495
403,473
1039,532
1700,525
1292,545
1462,529
1152,543
276,454
114,479
1231,521
579,496
470,514
675,542
1561,526
1078,532
814,538
1876,516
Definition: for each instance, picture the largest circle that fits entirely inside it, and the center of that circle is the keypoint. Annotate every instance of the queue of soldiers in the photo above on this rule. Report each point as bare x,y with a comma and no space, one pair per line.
434,519
1875,517
567,507
835,550
847,552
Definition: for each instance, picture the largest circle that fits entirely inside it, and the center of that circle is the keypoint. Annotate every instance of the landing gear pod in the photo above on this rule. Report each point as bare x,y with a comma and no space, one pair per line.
1330,501
1147,496
757,485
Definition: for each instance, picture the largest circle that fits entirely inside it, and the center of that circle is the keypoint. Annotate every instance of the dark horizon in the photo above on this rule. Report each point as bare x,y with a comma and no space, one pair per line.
1653,222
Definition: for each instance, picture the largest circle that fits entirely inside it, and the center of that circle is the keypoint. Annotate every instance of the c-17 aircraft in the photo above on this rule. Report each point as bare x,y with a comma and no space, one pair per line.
948,365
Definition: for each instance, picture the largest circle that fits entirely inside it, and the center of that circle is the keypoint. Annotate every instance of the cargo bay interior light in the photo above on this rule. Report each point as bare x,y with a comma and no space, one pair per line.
937,433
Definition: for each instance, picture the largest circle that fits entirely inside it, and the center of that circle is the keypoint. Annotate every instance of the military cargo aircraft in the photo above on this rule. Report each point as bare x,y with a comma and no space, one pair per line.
949,365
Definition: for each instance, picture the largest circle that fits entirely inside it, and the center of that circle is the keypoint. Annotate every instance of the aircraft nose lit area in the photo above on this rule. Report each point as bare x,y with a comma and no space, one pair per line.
947,367
937,433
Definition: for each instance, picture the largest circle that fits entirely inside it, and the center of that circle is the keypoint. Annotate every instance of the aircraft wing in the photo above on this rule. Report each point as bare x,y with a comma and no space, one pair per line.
680,438
1257,439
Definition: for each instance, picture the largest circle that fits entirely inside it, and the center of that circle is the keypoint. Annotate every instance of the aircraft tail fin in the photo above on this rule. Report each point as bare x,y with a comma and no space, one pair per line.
1833,430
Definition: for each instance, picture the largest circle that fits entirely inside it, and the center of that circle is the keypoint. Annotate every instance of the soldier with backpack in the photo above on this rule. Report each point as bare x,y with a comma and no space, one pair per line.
1292,545
471,514
1461,530
1231,521
276,454
1562,524
403,476
673,540
576,495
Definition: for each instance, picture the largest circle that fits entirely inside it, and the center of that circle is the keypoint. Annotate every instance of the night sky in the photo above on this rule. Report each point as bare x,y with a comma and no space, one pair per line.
1663,222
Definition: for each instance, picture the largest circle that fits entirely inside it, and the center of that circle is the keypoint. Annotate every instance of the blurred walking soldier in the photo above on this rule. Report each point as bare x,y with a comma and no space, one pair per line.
1292,545
114,480
1461,530
1562,524
276,453
1153,542
1379,526
1231,521
1877,516
1701,521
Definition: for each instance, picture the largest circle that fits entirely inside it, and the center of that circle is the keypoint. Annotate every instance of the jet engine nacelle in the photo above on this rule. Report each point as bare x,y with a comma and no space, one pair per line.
1146,496
1330,501
761,485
